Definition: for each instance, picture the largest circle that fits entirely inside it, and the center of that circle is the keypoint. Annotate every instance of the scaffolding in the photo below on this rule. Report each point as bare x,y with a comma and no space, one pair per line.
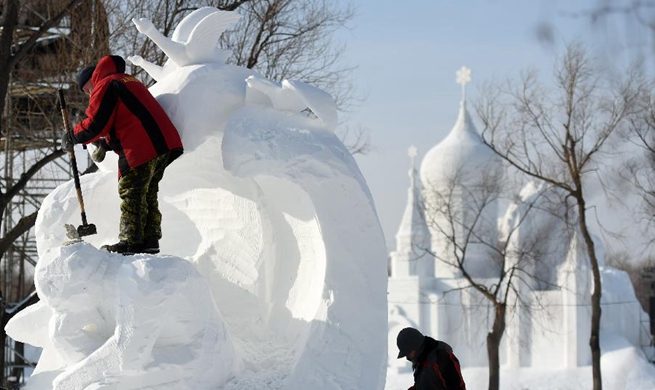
31,128
30,135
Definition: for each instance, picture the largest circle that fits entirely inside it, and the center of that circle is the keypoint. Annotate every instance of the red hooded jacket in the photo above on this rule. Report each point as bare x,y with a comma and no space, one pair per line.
123,111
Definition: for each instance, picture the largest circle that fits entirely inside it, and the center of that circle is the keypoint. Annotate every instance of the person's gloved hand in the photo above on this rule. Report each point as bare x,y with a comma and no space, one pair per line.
67,142
98,155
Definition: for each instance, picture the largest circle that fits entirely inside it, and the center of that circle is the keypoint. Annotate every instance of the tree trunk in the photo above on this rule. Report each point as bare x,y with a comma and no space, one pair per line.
9,21
594,340
3,337
18,371
493,346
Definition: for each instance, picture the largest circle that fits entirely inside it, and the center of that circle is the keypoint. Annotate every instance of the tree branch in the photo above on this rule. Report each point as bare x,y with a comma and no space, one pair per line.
48,24
25,224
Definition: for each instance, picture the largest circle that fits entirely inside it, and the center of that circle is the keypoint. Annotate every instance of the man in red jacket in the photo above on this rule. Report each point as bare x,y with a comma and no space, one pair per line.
124,117
435,366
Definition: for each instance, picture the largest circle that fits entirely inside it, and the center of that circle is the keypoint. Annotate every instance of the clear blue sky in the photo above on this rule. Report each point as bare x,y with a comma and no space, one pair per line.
407,53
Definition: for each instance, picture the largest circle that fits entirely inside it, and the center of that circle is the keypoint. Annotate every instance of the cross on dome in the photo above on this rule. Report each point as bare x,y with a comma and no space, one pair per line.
412,152
463,78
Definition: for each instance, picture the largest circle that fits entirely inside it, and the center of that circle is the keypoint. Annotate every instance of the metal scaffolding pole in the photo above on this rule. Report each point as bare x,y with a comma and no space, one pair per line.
23,146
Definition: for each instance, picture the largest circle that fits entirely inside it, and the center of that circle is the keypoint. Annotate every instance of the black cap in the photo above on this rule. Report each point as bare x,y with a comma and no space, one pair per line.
84,76
409,339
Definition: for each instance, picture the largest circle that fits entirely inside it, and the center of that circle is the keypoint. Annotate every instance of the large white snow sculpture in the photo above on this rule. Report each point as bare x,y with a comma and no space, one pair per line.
272,210
126,322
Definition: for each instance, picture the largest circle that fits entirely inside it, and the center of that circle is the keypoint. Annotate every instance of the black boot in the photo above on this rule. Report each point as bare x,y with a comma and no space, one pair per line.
150,246
122,247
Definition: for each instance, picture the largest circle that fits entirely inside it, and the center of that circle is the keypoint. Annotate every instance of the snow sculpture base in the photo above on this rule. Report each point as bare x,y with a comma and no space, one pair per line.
124,322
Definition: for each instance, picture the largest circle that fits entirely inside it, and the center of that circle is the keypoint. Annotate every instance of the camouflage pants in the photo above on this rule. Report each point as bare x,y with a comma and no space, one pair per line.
138,188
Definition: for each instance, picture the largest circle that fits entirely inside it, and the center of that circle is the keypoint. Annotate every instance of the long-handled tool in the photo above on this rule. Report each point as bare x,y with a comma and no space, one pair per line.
85,229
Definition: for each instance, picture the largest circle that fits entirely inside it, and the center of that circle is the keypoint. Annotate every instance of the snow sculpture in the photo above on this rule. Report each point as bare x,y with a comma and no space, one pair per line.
194,40
462,169
270,208
121,322
296,96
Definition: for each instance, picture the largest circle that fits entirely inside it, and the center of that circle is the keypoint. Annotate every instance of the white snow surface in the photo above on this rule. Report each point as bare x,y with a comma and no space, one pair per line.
273,272
623,366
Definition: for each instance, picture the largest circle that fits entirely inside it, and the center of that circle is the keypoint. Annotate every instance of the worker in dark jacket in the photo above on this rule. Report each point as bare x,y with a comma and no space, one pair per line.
123,116
435,366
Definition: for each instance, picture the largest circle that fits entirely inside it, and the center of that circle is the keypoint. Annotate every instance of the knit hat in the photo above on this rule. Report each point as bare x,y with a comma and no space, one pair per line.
119,63
409,339
84,76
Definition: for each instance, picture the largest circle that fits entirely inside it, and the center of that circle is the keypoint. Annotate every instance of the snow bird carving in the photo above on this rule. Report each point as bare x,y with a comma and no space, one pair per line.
194,41
295,96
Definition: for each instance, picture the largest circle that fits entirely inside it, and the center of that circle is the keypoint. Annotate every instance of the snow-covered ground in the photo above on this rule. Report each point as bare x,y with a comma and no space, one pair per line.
623,367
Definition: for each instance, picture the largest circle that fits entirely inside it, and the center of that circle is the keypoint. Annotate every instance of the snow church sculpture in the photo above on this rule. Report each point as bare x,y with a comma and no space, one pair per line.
551,327
270,208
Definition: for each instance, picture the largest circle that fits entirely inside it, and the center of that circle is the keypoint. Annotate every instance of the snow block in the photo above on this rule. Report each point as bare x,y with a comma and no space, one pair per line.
124,323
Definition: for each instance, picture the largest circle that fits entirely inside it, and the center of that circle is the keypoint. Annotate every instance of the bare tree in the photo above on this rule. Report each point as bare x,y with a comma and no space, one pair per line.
558,137
640,168
462,214
357,140
626,27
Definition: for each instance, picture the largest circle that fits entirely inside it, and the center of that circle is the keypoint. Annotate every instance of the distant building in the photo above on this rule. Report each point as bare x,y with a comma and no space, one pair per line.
550,319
